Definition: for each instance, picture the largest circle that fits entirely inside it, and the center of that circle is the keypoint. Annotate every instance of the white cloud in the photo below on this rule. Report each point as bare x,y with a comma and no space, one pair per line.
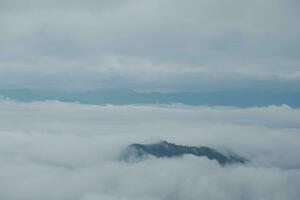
53,150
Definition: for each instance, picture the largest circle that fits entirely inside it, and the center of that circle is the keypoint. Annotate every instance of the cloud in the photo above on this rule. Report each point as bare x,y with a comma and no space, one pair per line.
221,43
118,72
54,150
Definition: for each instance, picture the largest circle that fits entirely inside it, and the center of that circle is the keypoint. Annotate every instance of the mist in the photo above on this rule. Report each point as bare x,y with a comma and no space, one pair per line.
55,150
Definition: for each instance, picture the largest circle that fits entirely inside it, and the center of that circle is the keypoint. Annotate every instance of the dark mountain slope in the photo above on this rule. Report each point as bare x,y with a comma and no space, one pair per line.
168,150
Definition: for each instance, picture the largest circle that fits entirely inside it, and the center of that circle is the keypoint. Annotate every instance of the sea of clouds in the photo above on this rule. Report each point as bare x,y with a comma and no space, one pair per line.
68,151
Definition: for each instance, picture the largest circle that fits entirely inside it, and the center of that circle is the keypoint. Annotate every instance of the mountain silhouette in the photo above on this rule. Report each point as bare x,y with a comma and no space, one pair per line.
164,149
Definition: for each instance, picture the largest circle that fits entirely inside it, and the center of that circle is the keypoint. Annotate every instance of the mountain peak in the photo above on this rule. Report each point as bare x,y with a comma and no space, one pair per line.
135,152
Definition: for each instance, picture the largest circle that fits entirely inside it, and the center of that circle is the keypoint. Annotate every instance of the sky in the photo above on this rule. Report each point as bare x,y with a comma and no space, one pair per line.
71,151
157,45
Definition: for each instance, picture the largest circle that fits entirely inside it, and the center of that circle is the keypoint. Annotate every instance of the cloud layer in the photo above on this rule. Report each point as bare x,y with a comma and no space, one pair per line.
154,45
54,150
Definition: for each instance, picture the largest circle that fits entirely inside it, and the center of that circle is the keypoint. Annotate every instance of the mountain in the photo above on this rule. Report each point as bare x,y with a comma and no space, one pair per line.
165,149
123,97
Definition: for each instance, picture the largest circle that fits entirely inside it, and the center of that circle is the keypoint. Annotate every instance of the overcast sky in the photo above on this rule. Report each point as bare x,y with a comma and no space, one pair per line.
150,44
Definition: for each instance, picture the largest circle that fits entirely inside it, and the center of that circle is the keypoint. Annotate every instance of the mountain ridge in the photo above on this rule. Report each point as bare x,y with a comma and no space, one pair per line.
164,149
124,97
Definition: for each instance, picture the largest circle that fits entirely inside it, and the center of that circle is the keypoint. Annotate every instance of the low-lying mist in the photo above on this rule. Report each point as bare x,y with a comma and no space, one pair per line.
53,150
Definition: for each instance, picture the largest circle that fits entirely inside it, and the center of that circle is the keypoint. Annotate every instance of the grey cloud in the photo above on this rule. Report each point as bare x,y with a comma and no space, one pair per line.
121,72
235,37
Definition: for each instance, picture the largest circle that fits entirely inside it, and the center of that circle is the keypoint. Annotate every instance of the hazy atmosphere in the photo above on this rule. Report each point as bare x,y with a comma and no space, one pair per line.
202,96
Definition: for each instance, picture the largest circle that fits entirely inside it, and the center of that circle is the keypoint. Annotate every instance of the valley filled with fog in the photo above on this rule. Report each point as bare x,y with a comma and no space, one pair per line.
54,150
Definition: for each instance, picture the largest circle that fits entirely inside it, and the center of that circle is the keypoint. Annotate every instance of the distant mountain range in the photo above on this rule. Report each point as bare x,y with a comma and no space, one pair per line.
136,152
123,97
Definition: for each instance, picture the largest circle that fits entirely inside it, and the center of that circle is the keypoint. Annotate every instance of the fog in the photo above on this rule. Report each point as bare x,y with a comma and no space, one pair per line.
69,151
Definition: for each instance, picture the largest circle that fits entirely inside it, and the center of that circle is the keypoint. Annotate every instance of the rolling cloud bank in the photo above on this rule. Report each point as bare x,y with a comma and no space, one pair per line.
54,150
